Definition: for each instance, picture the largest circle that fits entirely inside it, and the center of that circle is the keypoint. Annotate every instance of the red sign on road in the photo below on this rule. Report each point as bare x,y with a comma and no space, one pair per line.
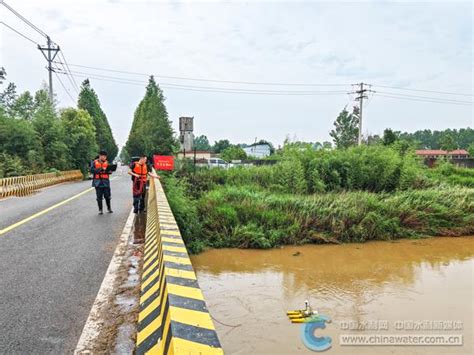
163,162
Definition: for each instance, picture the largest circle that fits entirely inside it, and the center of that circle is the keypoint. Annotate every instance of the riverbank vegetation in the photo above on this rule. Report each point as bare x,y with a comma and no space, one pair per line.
322,196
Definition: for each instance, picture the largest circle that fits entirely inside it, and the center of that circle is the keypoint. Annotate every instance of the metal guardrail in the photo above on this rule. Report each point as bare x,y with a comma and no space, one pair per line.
173,316
25,185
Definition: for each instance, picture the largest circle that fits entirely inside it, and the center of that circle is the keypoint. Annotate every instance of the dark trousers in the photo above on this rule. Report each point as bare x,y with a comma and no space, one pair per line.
139,201
103,192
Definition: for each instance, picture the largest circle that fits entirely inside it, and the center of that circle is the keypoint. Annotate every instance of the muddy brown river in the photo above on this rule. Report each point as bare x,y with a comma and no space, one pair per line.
421,289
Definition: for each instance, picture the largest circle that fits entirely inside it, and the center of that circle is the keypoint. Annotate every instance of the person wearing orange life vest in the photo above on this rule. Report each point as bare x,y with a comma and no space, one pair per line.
140,172
101,180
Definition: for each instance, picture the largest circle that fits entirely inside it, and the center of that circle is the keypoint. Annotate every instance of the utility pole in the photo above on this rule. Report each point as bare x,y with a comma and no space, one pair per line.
362,95
49,54
361,98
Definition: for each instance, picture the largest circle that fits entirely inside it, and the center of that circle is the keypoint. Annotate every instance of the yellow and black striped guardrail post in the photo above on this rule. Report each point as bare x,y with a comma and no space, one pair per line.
173,316
25,185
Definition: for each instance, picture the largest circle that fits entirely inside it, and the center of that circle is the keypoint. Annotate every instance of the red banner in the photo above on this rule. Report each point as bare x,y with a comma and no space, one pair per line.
163,162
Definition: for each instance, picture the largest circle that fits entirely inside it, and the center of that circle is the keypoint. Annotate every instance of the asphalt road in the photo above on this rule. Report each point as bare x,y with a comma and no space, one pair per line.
52,266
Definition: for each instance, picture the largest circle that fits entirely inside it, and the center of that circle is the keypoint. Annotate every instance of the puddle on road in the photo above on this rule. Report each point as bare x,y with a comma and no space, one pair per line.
139,228
407,280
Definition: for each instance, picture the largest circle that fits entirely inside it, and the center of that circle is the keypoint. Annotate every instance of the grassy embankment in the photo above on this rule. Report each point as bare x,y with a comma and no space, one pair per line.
366,193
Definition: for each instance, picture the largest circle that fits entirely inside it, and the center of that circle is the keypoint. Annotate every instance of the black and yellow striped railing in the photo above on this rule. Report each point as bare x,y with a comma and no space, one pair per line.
25,185
173,316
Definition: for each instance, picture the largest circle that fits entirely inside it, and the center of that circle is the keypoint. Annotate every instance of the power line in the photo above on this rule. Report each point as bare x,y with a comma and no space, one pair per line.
69,74
210,90
421,100
173,86
424,97
19,33
120,81
369,100
67,65
41,32
70,78
420,90
249,82
213,87
49,51
252,92
64,87
109,77
252,82
200,79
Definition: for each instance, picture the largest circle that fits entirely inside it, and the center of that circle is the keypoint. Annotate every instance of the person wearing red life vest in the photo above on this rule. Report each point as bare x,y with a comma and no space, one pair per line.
101,181
140,172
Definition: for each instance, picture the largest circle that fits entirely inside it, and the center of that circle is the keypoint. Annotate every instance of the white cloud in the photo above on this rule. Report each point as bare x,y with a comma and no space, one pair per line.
419,45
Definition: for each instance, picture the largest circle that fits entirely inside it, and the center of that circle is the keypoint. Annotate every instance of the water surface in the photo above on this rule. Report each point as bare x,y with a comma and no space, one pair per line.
249,291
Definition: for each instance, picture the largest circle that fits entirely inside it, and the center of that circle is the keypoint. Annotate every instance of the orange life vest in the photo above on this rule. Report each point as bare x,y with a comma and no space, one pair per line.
99,165
142,170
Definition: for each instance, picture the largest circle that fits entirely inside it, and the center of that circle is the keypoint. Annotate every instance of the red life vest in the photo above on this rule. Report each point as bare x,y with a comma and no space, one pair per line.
142,170
101,165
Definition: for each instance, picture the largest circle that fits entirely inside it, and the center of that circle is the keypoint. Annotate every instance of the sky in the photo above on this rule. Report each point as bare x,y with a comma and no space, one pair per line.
329,45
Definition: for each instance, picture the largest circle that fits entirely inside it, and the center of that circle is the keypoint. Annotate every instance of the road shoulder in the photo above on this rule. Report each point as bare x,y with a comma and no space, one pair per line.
110,324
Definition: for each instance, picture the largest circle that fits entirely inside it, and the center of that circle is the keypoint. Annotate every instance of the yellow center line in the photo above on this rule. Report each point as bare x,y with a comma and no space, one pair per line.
40,213
23,221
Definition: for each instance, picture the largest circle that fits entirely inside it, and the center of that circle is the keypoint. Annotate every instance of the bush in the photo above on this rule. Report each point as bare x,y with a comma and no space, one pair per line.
185,212
289,175
11,165
351,195
303,171
447,173
260,219
372,168
234,152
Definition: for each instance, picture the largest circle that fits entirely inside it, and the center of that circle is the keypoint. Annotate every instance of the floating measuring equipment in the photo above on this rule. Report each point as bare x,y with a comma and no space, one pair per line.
306,315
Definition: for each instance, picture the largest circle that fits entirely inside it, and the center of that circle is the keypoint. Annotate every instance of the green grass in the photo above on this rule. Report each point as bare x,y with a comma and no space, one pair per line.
355,195
243,217
446,173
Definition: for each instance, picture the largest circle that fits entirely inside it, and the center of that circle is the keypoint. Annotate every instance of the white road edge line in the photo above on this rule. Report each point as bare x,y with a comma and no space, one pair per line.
94,324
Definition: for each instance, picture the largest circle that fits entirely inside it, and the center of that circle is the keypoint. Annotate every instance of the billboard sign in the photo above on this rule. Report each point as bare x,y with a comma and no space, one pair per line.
163,162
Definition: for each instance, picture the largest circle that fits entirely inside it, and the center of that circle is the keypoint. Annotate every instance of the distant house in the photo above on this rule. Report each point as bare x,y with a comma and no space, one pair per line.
438,153
258,150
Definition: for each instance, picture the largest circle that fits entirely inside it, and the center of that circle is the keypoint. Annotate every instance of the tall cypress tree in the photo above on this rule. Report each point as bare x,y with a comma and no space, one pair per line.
151,131
89,102
50,133
79,126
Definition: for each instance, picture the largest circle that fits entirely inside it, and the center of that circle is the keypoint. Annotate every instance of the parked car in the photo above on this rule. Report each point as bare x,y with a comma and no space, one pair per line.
217,163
